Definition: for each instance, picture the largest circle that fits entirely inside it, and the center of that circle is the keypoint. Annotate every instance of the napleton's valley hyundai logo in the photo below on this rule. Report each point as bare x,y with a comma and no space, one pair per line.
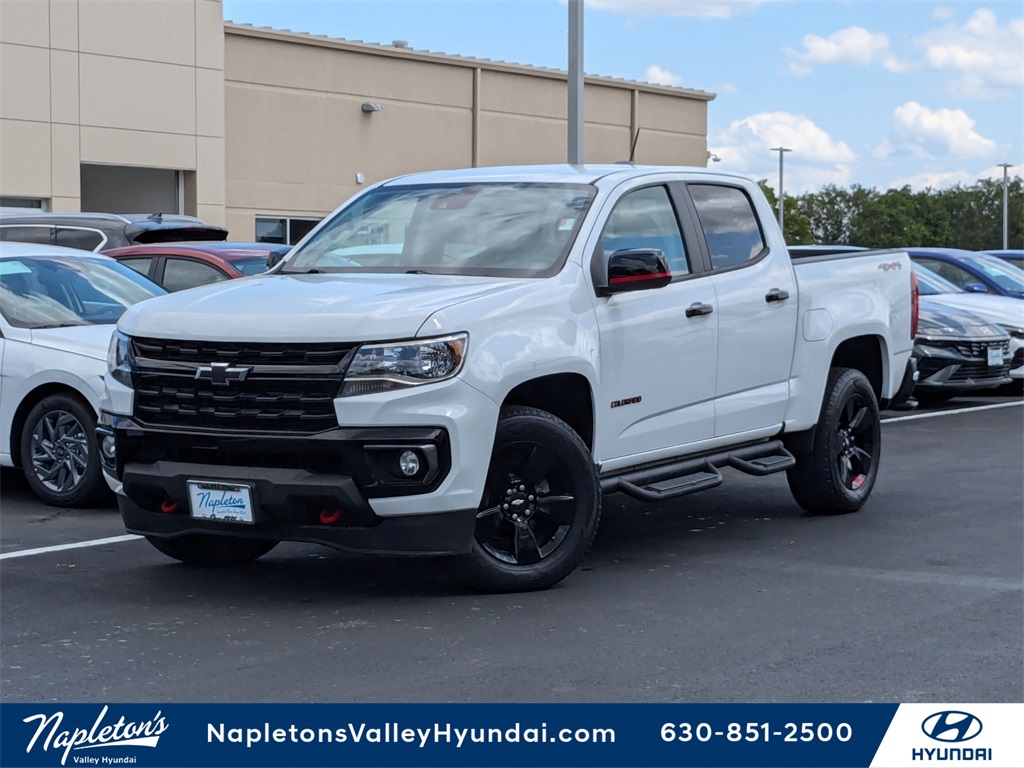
222,374
104,733
951,727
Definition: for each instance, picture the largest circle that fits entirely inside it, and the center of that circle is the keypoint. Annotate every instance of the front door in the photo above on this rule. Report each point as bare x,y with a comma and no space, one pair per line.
657,364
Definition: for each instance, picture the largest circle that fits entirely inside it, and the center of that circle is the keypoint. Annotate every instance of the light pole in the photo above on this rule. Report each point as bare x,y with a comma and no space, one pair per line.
781,150
1006,199
575,116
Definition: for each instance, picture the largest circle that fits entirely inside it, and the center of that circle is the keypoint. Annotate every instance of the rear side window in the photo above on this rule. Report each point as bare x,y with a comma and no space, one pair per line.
41,234
730,225
180,274
83,239
139,264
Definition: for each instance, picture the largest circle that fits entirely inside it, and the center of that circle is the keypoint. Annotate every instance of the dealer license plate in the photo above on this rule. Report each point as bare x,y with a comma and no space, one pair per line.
226,502
995,355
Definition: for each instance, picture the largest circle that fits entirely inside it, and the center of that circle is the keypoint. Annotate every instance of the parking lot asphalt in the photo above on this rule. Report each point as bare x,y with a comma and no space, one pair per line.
728,596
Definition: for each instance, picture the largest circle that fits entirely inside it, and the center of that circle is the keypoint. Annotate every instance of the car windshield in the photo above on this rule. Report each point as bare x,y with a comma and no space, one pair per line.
503,229
930,284
250,265
1003,274
59,291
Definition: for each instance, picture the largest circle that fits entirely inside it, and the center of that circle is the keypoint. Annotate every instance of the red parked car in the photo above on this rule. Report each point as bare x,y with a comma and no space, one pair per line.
177,266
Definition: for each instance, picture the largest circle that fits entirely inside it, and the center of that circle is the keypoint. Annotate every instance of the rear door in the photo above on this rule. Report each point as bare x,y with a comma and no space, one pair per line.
756,296
657,364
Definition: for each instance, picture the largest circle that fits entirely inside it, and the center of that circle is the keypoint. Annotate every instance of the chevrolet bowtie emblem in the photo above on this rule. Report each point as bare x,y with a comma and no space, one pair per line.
221,374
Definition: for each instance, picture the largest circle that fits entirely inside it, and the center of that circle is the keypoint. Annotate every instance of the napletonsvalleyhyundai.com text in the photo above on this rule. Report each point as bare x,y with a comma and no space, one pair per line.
394,733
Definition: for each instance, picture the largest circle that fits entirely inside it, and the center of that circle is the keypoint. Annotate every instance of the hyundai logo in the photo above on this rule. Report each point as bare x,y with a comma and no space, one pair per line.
221,374
951,726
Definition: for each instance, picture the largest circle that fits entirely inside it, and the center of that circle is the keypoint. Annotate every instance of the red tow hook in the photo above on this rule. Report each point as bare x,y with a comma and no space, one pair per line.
169,506
330,517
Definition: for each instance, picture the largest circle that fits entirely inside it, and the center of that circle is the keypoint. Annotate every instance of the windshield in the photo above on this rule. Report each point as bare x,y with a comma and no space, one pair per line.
1008,277
60,291
508,230
930,284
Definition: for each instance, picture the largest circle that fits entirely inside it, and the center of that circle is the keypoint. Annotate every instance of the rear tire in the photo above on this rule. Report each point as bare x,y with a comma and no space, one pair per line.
203,551
540,509
836,469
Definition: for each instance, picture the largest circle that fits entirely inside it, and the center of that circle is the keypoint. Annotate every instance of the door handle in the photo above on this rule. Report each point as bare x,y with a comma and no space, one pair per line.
776,294
697,308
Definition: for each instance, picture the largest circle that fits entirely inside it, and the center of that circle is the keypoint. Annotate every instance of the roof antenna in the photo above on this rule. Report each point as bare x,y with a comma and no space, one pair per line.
632,148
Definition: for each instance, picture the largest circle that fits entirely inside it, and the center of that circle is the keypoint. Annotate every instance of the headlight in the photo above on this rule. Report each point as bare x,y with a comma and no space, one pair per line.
400,364
1014,330
927,331
120,359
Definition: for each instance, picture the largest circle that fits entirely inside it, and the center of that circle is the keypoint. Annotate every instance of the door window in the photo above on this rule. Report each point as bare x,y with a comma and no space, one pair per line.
730,225
140,264
81,238
957,275
41,234
180,274
645,218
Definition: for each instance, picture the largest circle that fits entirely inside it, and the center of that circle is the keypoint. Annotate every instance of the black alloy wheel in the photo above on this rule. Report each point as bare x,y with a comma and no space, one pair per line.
541,505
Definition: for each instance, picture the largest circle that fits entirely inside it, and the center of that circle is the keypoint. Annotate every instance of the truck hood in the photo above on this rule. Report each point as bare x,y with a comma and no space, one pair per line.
86,340
363,307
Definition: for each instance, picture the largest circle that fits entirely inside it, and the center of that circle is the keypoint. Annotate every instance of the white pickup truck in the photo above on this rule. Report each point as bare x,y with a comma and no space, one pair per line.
463,362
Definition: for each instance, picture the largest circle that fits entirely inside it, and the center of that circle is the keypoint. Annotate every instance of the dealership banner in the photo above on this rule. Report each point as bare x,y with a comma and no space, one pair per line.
534,735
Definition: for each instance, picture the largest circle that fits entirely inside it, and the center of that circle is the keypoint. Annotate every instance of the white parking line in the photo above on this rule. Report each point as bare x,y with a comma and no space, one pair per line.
915,416
75,545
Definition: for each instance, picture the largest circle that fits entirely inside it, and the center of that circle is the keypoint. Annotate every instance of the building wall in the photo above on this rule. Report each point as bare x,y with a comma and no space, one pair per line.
109,82
297,136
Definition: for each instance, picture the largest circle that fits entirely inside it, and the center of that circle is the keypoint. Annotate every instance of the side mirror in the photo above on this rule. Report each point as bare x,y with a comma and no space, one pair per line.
275,256
976,288
636,269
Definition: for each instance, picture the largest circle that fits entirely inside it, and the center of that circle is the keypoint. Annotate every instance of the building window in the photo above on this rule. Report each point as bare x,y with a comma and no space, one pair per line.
282,229
22,202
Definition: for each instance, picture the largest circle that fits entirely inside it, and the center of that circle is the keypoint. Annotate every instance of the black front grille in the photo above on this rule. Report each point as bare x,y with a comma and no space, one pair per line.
286,388
972,363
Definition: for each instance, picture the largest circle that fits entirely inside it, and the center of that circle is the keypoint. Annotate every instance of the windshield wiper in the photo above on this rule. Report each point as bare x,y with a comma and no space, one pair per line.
55,325
419,272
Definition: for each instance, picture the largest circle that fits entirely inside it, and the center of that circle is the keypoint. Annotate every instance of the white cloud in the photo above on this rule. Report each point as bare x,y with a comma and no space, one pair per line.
933,179
940,179
661,76
816,159
708,9
943,12
996,172
725,87
853,45
939,132
987,56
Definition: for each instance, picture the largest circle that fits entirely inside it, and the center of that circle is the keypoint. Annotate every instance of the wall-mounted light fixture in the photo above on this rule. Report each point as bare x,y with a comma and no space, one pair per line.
713,157
371,106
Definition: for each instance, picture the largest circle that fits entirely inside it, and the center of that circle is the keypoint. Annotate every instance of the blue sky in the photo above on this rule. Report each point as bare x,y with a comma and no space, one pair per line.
874,93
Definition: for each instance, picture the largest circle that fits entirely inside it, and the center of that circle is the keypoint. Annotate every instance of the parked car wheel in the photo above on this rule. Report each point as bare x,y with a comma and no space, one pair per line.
58,452
836,469
540,509
203,551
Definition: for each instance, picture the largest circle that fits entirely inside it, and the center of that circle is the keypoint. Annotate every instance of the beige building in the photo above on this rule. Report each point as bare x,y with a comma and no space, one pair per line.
141,105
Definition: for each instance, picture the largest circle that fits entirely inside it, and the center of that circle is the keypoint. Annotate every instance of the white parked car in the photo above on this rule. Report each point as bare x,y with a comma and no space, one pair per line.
1004,311
58,307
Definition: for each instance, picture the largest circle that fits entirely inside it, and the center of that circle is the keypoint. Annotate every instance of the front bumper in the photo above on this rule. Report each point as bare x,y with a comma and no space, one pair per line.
960,364
446,533
314,488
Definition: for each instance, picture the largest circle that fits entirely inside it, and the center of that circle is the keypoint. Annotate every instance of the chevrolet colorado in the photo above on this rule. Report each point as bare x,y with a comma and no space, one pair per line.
464,362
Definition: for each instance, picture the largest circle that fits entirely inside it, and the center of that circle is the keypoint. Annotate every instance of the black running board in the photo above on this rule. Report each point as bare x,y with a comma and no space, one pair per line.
679,478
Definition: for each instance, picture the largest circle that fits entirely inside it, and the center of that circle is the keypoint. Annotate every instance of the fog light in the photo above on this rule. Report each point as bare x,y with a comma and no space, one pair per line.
409,463
109,447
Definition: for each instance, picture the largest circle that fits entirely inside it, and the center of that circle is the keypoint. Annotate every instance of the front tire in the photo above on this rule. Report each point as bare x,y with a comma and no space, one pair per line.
836,469
203,551
540,509
59,454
